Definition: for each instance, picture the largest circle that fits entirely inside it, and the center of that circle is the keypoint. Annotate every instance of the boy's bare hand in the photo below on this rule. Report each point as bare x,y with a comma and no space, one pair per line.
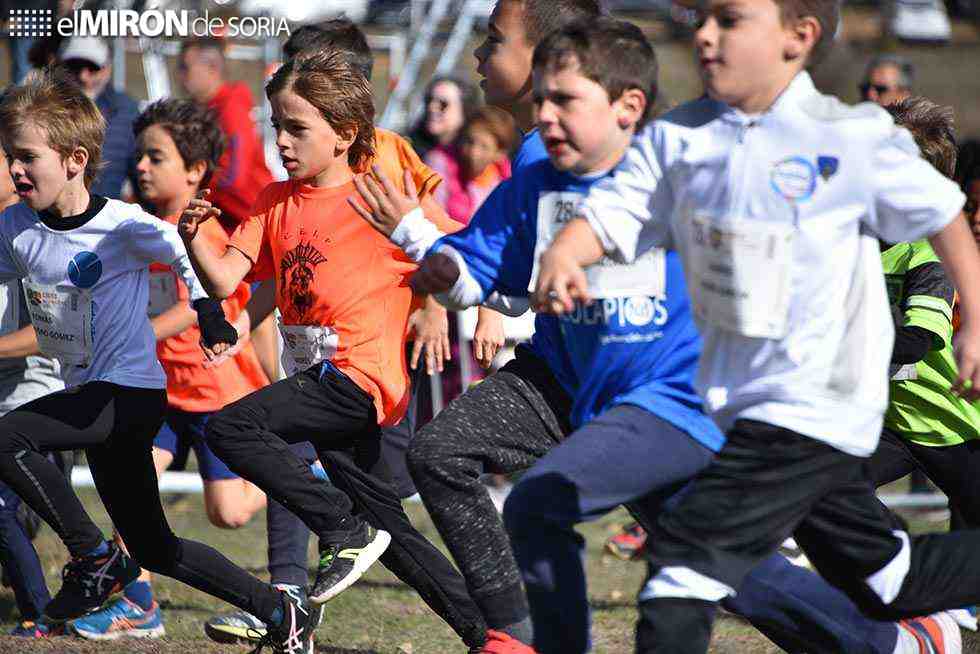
966,346
196,213
489,336
561,281
430,324
386,205
436,274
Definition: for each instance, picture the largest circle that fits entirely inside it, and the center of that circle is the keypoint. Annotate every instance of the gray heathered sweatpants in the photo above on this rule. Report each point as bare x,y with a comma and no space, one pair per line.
503,425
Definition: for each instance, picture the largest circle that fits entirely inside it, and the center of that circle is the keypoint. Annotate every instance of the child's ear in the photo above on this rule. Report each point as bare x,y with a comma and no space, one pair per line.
630,107
196,172
76,162
802,37
345,139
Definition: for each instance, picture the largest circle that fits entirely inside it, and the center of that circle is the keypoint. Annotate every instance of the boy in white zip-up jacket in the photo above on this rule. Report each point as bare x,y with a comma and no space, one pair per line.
775,196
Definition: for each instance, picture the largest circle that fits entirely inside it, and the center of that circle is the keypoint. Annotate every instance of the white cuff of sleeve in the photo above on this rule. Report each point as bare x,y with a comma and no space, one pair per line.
508,305
415,234
466,292
609,246
195,289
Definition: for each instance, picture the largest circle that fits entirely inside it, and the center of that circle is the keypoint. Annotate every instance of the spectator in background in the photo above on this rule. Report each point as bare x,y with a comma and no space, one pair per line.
473,165
448,100
471,168
87,59
242,171
887,79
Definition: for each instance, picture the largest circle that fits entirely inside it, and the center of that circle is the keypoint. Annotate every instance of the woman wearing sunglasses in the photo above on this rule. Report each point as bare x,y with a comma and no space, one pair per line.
448,101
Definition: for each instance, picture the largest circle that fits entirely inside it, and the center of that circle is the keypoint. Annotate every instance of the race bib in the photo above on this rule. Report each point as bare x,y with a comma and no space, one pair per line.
163,292
305,346
62,319
739,274
647,276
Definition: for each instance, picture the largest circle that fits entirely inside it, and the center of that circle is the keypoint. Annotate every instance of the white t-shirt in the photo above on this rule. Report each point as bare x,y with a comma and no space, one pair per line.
86,283
777,218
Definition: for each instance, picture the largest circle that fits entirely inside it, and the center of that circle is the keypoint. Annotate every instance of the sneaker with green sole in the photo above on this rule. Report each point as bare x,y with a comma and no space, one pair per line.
341,564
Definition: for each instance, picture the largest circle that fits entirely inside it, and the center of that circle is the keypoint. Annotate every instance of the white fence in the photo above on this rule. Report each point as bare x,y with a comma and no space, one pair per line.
190,482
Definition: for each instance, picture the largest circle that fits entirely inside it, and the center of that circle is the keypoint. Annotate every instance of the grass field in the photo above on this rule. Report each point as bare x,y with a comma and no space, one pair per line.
379,615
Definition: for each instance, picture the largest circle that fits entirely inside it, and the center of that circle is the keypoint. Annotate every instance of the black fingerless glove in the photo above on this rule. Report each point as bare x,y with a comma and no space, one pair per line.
211,320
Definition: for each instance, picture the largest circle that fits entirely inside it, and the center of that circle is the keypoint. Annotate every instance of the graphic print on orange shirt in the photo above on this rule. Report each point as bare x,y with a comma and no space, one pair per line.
340,286
296,277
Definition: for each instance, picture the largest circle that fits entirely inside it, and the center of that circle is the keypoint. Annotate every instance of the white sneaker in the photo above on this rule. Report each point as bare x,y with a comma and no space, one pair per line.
964,618
921,20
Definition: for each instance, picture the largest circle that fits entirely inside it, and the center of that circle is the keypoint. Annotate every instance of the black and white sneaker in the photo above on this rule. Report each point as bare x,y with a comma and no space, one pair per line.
242,626
341,564
295,634
88,581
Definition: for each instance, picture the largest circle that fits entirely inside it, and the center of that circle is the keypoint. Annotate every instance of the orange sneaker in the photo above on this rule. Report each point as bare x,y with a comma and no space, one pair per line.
936,634
500,643
629,544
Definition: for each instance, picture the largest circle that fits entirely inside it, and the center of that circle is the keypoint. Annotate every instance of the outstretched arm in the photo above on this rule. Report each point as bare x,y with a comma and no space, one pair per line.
955,246
219,274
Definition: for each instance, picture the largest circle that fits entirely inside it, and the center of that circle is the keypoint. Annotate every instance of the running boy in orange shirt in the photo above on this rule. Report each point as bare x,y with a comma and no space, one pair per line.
343,292
288,537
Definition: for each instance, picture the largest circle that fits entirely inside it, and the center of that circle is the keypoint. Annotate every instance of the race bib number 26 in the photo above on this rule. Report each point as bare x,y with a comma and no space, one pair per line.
647,276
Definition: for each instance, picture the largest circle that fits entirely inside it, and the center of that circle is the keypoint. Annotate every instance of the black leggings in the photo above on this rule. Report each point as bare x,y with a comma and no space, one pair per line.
115,425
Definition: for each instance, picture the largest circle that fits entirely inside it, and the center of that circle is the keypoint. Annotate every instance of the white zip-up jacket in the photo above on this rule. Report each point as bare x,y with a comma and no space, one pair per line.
777,217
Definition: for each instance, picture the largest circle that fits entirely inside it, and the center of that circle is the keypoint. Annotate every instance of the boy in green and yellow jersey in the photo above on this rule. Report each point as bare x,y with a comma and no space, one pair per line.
926,425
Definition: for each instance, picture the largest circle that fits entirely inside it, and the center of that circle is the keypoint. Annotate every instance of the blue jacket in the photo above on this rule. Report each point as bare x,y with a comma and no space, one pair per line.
119,146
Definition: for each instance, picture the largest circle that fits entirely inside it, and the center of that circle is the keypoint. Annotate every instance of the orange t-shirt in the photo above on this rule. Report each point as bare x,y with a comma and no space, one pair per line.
394,155
333,269
190,386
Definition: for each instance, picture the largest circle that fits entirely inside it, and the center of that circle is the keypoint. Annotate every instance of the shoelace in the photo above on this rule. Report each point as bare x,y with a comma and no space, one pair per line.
262,640
327,556
74,572
293,644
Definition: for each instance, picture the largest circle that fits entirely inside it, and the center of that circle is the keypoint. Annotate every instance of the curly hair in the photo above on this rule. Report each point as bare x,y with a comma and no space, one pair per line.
931,126
193,128
52,101
331,83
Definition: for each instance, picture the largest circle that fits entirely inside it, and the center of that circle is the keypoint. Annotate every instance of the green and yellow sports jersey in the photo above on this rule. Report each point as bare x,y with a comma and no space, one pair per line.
922,408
